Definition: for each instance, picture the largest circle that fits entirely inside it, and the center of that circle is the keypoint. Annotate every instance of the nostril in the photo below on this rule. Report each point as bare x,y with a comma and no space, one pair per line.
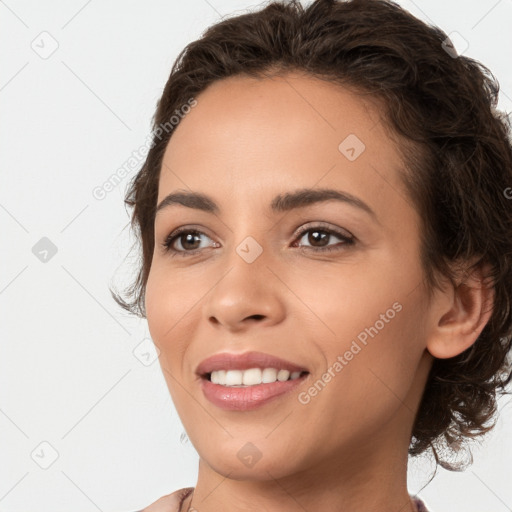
257,317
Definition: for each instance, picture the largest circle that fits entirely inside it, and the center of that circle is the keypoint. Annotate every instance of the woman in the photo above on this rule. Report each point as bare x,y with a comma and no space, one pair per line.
326,270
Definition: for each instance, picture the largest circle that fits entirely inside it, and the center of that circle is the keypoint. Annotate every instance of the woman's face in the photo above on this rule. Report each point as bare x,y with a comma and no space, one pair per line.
352,316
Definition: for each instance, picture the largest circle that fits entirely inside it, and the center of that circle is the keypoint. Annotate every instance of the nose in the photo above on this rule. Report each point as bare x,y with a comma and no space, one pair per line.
247,294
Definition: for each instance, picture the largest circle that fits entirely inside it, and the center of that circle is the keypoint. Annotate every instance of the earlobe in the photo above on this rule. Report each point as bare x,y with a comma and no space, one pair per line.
460,314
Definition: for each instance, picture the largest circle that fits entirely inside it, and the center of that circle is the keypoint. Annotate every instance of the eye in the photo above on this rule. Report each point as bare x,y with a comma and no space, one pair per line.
186,237
318,236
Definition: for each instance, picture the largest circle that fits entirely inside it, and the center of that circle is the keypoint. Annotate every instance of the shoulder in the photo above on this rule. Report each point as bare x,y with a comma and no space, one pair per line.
170,502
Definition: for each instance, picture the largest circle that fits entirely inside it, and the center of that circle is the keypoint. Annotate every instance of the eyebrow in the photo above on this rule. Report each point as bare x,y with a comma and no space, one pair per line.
281,203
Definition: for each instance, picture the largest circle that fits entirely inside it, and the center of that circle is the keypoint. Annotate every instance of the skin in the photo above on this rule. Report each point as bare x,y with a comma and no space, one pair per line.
245,142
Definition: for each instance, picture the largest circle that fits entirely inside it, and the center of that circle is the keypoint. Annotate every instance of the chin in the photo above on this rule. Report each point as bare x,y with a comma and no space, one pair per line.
243,460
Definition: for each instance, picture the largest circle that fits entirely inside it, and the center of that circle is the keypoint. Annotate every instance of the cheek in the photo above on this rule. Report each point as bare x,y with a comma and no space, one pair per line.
171,298
370,323
359,299
172,320
377,383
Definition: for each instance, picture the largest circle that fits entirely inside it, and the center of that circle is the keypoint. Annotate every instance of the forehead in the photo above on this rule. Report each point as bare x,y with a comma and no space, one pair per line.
254,137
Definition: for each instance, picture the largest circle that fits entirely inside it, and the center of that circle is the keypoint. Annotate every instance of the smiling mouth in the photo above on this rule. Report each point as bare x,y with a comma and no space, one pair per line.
251,376
238,397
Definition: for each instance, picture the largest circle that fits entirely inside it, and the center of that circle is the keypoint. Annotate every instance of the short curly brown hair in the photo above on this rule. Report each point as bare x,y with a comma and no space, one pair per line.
455,142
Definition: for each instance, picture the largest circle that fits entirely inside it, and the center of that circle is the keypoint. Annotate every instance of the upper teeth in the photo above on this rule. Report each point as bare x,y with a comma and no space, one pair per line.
251,377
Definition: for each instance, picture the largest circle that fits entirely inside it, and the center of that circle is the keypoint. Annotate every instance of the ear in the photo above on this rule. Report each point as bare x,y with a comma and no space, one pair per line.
459,314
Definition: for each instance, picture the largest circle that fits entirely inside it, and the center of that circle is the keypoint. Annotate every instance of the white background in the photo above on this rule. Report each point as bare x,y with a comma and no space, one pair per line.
68,373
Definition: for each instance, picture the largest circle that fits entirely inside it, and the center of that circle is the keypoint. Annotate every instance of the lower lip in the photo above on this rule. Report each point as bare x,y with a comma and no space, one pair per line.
247,398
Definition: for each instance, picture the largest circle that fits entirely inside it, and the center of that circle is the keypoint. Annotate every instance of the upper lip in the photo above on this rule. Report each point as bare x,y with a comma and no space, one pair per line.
245,361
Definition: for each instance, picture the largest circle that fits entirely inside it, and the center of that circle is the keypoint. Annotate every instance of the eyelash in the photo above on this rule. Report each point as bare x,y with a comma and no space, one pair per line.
167,244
